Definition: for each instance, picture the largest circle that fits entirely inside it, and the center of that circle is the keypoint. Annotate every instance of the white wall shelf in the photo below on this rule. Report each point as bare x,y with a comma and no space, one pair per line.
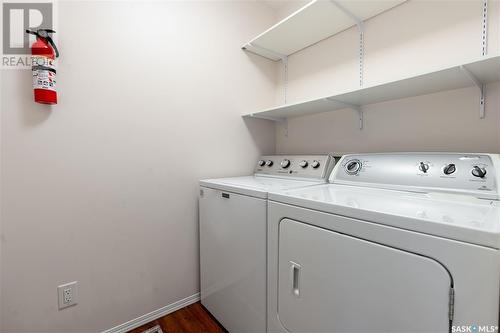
476,73
314,22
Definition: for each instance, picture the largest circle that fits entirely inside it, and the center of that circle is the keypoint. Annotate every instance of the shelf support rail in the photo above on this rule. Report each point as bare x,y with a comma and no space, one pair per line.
484,30
361,29
353,107
481,88
284,61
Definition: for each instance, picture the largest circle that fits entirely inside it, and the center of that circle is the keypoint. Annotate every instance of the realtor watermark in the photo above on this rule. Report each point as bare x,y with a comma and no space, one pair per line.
17,17
474,329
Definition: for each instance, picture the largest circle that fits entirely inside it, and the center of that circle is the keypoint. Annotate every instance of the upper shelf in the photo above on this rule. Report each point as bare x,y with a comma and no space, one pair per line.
314,22
482,71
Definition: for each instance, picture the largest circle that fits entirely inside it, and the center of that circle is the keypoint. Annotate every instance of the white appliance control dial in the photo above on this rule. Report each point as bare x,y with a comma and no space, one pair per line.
285,163
424,167
478,171
449,169
353,167
269,163
303,164
261,162
315,164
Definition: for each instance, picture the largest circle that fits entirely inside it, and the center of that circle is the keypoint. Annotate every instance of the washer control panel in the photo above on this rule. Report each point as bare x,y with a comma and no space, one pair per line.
474,174
303,166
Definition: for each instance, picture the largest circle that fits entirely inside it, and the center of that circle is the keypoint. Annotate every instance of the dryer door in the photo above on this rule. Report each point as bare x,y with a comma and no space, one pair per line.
331,282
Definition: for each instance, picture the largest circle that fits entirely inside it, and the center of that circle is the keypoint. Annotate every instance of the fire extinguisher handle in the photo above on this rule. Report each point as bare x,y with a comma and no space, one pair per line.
44,33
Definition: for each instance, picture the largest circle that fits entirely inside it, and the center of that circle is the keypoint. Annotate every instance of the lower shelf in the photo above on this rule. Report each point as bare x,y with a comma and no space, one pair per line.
476,73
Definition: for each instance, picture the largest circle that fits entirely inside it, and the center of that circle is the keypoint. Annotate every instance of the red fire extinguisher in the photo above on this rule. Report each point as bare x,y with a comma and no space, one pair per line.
43,55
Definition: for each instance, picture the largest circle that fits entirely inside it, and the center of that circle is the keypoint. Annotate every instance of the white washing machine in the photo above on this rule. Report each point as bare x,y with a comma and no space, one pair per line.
395,243
233,214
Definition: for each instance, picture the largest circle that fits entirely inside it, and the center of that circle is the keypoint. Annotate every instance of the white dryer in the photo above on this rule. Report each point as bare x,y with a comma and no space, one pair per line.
233,215
396,243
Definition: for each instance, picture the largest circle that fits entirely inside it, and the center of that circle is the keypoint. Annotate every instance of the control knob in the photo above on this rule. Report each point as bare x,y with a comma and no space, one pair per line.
449,169
269,163
353,167
285,163
424,167
261,162
303,164
315,164
477,171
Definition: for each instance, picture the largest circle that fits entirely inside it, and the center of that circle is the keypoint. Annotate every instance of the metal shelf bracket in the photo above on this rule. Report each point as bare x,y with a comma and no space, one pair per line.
354,107
275,119
361,29
481,88
274,53
284,61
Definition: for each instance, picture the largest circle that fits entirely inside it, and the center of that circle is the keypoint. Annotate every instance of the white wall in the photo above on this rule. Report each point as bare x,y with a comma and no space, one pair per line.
415,37
1,203
102,188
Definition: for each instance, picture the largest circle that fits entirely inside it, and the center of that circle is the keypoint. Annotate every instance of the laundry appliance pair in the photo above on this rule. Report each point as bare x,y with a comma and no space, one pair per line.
400,242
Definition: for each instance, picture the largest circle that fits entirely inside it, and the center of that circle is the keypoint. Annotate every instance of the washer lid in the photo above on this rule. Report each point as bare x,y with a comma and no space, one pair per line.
452,216
256,186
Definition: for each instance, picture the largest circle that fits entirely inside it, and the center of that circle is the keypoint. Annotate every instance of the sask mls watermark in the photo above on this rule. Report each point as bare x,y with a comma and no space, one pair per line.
17,17
474,329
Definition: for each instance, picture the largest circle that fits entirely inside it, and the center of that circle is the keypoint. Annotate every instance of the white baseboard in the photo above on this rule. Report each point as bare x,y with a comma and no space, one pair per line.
144,319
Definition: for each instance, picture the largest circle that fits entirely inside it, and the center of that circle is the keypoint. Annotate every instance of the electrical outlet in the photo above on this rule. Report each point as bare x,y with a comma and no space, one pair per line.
67,294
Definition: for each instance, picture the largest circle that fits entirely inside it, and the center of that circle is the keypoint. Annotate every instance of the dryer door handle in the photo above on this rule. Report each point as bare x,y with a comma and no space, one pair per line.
295,278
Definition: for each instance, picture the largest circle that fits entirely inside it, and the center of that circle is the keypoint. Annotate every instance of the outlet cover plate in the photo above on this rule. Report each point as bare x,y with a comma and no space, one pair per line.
67,294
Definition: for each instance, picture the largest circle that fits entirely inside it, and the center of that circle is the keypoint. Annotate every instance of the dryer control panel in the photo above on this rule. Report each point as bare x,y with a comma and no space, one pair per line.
301,166
470,174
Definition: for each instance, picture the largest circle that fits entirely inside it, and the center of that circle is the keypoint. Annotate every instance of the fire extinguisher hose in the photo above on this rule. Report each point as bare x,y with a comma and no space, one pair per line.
44,68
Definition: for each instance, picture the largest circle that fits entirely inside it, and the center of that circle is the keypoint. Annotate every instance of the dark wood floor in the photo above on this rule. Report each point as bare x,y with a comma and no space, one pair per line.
192,318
